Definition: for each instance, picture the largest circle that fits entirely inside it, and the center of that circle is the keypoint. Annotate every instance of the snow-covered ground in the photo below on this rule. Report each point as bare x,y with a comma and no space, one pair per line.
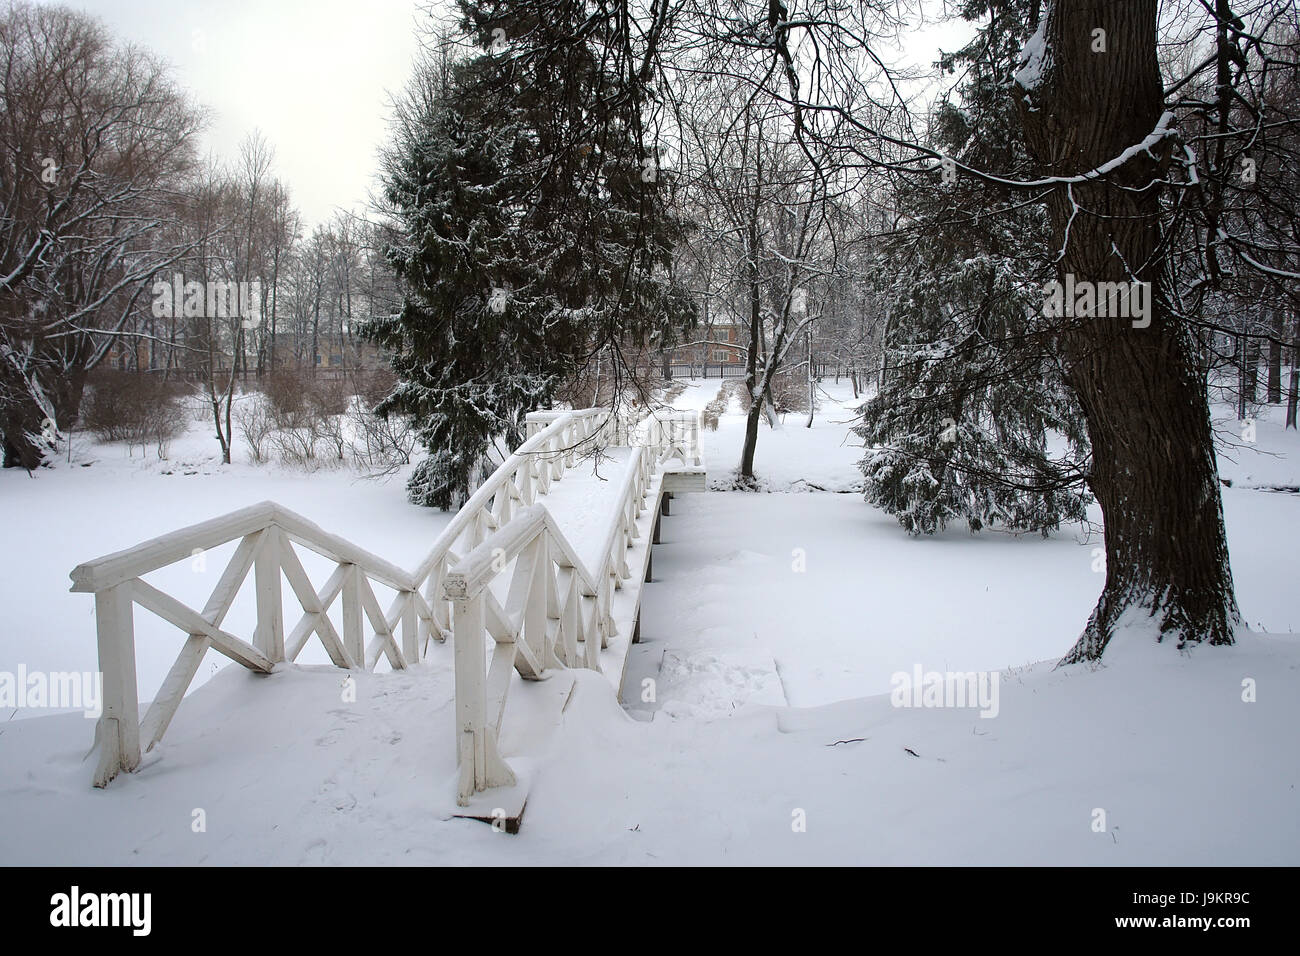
790,458
112,497
772,634
817,598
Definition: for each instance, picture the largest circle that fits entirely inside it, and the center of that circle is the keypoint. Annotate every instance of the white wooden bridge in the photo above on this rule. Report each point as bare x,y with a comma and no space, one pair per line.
539,573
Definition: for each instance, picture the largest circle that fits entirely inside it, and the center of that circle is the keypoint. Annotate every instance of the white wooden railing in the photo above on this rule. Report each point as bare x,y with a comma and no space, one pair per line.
554,441
675,434
501,519
554,604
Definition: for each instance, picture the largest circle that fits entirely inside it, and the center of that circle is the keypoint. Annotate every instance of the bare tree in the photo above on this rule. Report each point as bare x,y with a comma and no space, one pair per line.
253,173
94,141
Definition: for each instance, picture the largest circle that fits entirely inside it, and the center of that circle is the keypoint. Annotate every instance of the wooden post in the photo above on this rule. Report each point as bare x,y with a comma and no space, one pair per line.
572,622
352,634
269,637
533,624
471,703
663,503
410,630
118,731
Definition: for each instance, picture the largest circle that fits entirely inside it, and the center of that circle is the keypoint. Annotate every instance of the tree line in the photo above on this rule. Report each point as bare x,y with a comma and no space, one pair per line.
105,200
574,188
1140,155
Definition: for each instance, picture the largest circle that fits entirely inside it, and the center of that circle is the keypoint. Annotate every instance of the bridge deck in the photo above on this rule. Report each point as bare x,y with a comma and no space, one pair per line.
585,500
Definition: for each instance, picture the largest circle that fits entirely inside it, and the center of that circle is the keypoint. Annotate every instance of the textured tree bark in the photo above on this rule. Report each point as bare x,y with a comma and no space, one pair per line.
21,416
68,391
751,384
1153,471
1293,398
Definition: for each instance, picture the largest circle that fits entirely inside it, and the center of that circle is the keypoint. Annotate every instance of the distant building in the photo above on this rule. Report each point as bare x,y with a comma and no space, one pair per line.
359,354
713,346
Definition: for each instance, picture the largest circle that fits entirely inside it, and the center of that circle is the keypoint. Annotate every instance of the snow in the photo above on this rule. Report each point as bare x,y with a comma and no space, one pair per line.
870,602
107,500
1034,59
1272,459
366,782
771,631
790,457
583,500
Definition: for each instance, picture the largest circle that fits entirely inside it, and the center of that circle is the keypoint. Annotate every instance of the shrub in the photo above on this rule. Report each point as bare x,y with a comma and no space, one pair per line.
303,413
254,420
139,408
789,392
374,385
327,397
285,393
716,409
296,445
306,418
384,444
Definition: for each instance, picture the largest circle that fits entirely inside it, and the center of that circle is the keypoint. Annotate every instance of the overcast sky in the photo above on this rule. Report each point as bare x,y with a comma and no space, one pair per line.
313,75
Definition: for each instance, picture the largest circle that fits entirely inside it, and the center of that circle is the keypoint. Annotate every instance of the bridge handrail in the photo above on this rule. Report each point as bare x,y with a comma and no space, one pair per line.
555,601
105,572
538,444
267,533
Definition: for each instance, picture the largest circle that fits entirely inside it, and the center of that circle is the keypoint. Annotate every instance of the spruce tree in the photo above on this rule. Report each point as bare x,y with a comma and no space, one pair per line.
530,231
972,421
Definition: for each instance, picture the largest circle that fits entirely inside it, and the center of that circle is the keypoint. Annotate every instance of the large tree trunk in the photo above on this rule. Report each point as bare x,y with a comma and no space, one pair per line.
67,394
21,416
1153,472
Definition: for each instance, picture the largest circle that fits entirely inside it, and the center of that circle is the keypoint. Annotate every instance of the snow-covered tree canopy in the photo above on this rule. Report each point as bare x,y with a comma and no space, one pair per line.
529,230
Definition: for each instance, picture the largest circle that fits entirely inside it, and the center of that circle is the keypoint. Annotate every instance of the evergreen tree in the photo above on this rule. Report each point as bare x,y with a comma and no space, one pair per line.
530,232
962,425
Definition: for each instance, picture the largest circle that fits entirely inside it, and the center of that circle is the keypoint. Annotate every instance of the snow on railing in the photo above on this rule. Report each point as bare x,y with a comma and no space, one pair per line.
554,440
554,603
421,609
675,434
267,534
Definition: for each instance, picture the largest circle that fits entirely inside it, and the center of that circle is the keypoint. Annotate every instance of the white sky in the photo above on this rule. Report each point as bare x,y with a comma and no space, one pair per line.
313,75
